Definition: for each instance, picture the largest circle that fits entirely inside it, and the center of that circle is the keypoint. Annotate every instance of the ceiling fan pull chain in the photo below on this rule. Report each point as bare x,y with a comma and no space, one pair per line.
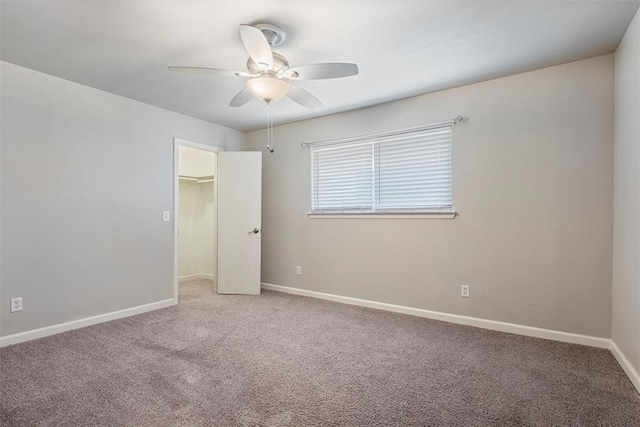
269,127
268,117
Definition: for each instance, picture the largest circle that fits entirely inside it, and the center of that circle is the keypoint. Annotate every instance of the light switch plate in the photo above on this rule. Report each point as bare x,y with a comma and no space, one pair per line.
166,216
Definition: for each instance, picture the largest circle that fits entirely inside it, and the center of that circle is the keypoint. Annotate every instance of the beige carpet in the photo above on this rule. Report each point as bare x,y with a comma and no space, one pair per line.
283,360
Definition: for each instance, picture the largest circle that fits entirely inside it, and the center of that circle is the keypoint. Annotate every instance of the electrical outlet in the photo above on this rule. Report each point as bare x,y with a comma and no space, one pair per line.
298,270
464,291
16,304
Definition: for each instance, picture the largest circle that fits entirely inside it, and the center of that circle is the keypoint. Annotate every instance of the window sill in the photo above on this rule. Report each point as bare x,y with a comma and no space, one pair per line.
417,215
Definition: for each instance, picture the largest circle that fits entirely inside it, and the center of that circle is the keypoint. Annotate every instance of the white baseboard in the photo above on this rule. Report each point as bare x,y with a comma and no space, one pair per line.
628,368
493,325
195,277
81,323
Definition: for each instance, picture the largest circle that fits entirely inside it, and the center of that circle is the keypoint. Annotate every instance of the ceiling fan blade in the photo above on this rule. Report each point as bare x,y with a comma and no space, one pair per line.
304,98
257,45
322,71
205,70
241,98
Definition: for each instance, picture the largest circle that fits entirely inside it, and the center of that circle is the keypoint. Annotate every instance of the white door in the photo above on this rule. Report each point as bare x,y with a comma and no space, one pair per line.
239,222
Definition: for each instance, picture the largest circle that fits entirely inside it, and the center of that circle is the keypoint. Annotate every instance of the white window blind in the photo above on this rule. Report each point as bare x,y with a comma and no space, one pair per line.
406,172
343,178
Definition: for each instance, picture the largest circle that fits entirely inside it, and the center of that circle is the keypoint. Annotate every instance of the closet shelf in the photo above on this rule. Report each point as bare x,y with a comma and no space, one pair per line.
196,179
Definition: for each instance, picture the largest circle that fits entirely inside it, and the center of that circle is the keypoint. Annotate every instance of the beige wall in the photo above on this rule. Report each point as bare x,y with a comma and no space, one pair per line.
532,184
626,237
85,177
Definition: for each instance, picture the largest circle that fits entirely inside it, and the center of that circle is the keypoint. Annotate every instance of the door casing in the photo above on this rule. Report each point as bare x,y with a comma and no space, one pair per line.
177,142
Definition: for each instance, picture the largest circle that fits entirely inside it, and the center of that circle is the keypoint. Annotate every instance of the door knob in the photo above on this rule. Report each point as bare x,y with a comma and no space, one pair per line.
254,231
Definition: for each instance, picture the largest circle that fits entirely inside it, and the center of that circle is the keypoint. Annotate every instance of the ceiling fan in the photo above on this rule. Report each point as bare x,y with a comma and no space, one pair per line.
269,76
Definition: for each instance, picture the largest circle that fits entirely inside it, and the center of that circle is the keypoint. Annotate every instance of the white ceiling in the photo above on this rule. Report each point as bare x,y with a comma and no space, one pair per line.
403,47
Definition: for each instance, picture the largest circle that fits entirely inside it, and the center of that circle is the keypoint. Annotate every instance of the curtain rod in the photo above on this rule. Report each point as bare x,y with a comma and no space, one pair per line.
454,121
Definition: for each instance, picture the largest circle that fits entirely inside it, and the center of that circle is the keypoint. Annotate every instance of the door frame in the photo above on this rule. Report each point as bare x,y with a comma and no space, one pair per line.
177,143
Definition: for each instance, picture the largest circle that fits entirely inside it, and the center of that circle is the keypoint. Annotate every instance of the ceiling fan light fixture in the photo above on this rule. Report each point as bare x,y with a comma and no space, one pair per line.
269,76
268,89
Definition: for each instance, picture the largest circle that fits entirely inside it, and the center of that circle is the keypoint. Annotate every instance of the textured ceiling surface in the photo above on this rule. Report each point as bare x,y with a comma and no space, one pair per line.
403,47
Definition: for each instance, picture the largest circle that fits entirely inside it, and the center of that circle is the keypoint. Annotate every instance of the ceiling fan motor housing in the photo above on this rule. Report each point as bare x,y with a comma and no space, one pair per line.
280,65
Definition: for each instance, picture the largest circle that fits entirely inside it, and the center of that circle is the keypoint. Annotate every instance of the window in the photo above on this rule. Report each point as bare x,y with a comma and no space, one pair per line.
400,172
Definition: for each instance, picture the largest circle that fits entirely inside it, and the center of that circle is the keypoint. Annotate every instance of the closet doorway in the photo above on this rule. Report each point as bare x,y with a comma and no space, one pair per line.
196,217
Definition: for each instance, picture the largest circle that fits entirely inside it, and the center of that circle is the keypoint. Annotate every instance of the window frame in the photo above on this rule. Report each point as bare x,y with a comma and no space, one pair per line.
444,212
